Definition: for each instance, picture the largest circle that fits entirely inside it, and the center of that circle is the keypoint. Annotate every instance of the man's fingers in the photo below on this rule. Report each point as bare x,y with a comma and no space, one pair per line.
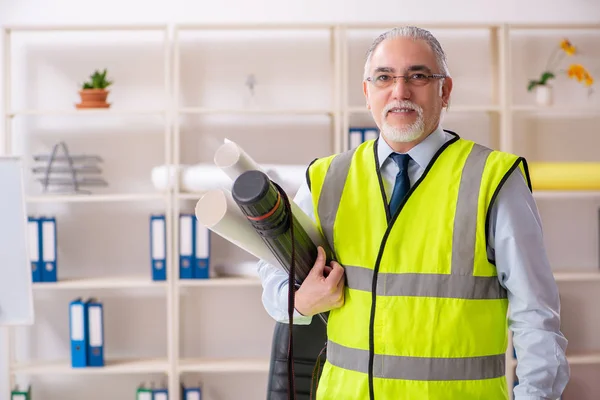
320,262
336,274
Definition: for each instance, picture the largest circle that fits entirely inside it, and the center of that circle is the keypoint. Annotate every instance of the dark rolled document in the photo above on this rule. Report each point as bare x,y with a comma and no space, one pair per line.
262,202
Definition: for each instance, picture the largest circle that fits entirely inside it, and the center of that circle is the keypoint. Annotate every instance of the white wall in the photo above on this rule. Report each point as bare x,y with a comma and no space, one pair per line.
115,12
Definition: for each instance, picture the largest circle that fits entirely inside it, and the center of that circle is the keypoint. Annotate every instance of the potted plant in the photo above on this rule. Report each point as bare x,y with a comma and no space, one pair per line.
94,92
576,71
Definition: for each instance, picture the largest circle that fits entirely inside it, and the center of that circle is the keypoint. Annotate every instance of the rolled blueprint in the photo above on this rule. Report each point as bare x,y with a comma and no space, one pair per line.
266,210
234,161
217,211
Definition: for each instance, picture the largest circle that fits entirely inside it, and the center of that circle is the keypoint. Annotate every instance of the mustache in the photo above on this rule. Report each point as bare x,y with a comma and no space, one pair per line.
402,104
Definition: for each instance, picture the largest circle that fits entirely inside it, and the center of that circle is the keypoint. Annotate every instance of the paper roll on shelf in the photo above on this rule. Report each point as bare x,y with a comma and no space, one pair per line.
202,177
564,175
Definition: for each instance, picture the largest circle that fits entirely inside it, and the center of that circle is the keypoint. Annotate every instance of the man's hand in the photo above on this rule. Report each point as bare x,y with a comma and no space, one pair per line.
323,288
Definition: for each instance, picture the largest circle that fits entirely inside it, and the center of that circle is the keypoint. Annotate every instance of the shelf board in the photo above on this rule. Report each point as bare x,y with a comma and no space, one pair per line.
38,28
115,282
135,366
255,111
221,282
566,194
88,112
252,26
557,110
577,276
581,358
224,365
452,109
545,26
190,196
94,198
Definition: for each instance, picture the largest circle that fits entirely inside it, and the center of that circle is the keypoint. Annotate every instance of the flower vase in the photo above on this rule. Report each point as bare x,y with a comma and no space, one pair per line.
543,95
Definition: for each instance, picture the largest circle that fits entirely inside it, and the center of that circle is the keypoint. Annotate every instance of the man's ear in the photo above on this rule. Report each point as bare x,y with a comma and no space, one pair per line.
366,93
445,90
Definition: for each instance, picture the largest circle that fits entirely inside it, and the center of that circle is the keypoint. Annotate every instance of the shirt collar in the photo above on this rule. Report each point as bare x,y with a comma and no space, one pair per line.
422,153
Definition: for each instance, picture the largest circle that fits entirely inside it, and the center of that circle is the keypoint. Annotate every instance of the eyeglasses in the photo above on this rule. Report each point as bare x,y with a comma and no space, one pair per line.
383,81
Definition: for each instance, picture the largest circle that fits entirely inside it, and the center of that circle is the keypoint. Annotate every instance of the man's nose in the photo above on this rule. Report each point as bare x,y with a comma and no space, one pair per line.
400,89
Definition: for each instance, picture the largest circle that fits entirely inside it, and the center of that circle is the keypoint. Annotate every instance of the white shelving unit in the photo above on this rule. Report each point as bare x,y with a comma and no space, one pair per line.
193,57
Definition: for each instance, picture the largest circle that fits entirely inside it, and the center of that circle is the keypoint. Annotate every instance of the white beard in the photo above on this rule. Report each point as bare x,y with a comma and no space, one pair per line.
407,133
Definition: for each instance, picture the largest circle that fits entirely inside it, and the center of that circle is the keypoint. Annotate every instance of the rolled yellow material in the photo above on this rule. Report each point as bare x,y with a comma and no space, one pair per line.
565,175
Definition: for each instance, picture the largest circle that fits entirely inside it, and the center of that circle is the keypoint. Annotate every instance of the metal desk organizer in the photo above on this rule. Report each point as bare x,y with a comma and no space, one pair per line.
74,171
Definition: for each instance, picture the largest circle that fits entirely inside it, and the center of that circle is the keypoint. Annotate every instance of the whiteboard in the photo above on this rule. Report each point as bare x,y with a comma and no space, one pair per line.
16,299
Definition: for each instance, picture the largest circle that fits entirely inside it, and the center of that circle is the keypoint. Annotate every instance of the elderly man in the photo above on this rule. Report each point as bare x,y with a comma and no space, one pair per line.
434,237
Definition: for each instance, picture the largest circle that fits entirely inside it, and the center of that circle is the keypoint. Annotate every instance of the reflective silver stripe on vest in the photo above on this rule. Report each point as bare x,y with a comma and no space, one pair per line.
460,283
465,220
425,285
417,368
331,193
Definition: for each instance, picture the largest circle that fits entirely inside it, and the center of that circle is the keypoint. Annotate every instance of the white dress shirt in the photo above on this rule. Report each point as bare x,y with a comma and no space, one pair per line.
515,242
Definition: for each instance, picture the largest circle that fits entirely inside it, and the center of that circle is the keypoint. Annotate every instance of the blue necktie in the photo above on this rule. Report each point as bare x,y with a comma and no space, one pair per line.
402,182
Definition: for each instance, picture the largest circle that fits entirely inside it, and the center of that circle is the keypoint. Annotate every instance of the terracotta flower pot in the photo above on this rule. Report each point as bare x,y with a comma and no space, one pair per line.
93,98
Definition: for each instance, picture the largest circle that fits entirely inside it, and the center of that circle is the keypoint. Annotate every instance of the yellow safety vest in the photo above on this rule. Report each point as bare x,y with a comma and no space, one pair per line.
425,316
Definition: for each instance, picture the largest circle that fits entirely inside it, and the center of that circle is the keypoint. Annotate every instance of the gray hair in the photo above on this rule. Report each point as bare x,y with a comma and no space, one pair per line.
416,34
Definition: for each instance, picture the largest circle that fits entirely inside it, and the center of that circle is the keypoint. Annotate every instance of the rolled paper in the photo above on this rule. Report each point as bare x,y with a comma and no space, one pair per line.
163,177
564,175
217,211
235,161
289,177
203,177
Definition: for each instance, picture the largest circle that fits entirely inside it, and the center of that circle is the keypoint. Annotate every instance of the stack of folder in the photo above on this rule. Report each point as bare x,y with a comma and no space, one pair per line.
86,320
152,393
191,393
194,248
42,248
17,394
162,393
357,135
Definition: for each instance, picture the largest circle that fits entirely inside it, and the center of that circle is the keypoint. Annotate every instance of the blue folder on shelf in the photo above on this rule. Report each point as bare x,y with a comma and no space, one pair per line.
95,319
186,246
201,251
78,331
34,235
158,247
48,248
191,393
358,135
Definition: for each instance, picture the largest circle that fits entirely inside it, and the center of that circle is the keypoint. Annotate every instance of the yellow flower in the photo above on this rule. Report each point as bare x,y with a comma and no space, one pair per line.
577,71
568,47
589,81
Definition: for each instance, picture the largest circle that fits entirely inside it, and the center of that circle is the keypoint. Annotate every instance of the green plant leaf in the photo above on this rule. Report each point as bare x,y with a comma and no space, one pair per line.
532,84
546,76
